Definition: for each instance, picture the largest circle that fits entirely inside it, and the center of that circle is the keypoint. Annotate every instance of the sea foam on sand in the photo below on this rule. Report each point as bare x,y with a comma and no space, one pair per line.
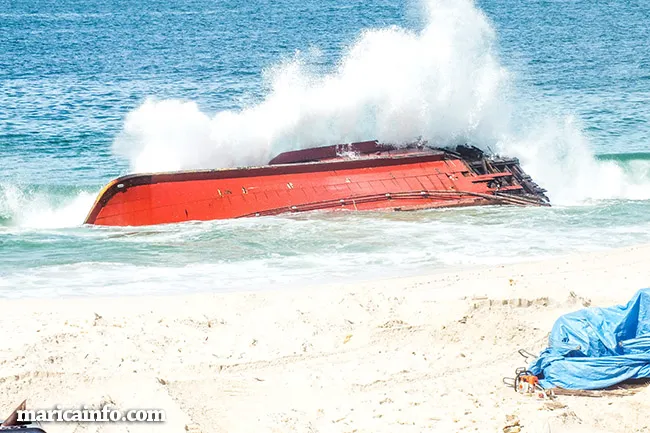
397,355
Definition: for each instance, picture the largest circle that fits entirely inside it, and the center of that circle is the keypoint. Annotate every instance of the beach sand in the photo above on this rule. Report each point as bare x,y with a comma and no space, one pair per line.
426,353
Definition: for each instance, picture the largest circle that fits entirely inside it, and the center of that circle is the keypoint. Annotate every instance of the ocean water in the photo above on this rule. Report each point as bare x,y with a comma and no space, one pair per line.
90,90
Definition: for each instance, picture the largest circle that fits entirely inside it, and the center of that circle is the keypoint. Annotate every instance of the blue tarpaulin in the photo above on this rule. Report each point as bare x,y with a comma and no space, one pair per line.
596,348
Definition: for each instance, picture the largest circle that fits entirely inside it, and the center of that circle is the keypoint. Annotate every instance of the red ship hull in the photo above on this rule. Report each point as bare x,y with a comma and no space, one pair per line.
375,177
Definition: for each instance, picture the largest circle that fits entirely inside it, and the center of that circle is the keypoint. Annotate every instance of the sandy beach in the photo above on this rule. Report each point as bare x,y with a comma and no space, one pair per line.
426,353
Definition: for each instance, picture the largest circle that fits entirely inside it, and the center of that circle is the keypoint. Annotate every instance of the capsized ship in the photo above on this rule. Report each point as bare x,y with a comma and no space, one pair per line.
358,176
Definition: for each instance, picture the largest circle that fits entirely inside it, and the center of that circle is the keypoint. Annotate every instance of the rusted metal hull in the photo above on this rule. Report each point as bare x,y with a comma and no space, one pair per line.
375,177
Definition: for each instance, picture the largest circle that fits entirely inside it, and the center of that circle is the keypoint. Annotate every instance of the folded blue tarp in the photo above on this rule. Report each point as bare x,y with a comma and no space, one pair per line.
596,348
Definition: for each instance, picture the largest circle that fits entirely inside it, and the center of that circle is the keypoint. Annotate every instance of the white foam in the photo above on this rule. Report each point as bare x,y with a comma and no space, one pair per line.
444,83
26,208
557,154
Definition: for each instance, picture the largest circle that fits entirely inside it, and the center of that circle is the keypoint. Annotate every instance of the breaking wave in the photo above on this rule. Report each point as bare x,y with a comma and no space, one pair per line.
624,157
39,207
557,154
444,83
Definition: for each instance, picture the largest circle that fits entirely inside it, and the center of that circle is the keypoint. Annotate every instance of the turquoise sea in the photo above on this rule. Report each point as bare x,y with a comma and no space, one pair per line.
90,90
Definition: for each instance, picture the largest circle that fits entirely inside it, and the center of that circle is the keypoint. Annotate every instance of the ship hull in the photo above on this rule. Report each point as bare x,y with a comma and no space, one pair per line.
397,180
